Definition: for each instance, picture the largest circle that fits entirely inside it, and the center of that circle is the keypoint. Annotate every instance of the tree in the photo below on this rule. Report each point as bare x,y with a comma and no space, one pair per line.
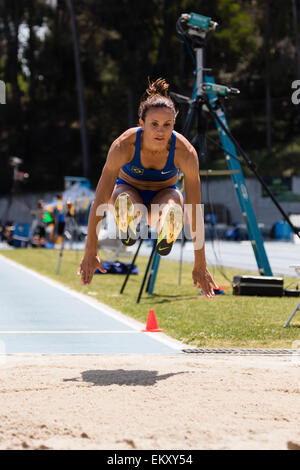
121,43
80,90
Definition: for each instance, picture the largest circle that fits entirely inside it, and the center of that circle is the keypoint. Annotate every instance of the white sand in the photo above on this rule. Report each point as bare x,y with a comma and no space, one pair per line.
149,402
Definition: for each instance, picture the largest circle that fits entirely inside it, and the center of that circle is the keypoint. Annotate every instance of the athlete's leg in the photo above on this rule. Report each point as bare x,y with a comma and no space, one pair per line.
125,188
166,215
160,205
127,207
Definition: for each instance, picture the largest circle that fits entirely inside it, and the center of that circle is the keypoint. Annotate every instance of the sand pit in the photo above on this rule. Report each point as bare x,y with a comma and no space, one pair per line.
149,402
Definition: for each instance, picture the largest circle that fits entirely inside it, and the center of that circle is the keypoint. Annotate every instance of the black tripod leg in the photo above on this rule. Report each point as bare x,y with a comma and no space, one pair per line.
60,254
130,267
181,258
193,108
189,119
146,272
154,267
251,165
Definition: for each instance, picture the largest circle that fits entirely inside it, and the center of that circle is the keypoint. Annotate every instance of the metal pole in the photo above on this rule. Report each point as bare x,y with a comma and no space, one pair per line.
292,314
295,25
199,71
226,132
60,254
13,190
80,91
180,260
131,266
146,272
153,273
187,127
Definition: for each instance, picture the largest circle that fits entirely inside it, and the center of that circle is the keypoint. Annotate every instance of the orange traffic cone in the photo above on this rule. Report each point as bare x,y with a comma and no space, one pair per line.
152,325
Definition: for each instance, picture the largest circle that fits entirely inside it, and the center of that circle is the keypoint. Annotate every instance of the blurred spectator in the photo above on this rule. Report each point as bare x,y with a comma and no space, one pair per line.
59,218
72,229
234,233
211,220
38,227
70,212
7,233
49,223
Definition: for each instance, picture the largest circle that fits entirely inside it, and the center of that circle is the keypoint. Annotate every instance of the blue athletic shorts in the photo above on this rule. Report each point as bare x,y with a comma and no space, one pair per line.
146,195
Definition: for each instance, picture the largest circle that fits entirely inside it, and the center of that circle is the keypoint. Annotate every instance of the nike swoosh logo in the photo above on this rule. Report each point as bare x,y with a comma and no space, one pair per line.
163,248
164,172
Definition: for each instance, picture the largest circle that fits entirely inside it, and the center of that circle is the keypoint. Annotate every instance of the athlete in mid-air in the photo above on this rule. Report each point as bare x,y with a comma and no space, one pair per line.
142,170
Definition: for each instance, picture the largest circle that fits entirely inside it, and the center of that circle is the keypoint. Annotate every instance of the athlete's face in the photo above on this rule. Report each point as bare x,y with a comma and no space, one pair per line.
157,127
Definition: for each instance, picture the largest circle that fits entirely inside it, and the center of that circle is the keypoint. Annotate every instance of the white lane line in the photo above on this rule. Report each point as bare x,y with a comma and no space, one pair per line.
88,332
103,308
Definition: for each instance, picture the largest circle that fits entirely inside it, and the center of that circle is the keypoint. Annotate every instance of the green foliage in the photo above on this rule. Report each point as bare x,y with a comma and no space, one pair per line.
236,33
122,42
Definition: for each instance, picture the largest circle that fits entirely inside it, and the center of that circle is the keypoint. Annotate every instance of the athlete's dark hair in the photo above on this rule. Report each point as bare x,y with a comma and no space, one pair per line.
156,96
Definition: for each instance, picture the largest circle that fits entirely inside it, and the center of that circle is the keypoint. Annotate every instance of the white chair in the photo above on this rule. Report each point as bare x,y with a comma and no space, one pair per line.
297,269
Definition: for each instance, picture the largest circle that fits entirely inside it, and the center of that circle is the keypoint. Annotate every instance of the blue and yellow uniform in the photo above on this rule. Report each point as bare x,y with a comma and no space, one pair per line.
134,169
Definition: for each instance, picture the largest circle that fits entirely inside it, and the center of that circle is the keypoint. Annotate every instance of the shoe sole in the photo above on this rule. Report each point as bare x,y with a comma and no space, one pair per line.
124,217
170,230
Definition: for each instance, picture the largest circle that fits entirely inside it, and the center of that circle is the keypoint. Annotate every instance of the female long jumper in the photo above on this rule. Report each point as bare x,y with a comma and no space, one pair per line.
141,170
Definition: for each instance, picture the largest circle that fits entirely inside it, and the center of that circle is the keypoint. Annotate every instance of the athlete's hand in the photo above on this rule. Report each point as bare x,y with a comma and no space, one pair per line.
87,268
203,280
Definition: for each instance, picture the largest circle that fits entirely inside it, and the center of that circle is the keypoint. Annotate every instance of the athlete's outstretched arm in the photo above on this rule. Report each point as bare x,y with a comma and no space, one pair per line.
116,158
190,168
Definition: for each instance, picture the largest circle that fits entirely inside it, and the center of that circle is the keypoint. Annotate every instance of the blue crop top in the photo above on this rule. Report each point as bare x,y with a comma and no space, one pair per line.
135,169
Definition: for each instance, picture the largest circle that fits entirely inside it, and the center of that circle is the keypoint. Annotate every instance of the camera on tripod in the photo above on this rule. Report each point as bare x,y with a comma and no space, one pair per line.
196,25
195,28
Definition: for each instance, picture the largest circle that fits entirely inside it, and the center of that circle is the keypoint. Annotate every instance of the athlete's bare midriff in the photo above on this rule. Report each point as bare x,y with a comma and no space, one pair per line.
147,185
129,142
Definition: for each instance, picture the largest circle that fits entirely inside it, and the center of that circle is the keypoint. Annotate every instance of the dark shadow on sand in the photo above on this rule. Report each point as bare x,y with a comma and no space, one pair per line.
104,378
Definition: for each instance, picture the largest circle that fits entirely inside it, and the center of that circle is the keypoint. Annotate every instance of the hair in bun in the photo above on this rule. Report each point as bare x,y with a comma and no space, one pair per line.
156,96
159,87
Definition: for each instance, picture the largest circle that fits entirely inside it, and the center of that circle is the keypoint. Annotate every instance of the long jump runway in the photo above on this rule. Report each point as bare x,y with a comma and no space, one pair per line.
40,316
